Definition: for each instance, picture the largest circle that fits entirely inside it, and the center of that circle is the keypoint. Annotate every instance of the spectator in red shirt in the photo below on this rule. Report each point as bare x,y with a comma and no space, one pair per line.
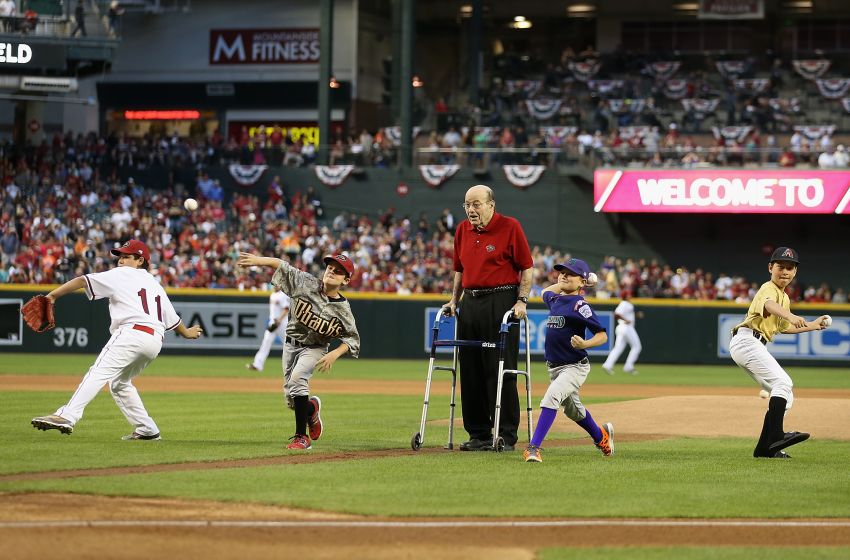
493,273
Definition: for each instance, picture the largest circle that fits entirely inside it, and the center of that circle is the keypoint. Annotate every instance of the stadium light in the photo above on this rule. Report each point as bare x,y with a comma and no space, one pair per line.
417,82
520,22
466,11
581,10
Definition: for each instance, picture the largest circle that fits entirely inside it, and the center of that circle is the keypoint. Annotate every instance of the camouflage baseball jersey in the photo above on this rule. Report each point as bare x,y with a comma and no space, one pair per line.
315,319
771,325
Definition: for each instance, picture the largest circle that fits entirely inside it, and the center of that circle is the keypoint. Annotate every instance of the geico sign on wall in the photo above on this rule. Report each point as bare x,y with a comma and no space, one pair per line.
264,46
829,344
722,191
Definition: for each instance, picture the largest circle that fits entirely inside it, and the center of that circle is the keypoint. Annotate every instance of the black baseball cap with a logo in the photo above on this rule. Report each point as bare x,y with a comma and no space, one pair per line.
785,254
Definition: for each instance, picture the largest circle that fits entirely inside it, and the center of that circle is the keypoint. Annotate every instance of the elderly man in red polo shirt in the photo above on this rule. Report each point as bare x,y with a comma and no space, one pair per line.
493,267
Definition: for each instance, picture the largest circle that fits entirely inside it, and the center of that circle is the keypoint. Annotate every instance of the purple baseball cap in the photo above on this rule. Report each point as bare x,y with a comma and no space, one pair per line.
576,266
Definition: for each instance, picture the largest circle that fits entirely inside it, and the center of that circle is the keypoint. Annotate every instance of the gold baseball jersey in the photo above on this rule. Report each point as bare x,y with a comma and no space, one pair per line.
772,324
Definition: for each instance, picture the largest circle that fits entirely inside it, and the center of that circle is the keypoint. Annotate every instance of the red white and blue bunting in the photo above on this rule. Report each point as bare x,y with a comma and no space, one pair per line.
811,69
731,69
757,85
702,106
436,175
585,70
662,70
676,88
604,86
734,133
815,132
845,101
833,88
528,87
523,176
333,175
246,175
543,109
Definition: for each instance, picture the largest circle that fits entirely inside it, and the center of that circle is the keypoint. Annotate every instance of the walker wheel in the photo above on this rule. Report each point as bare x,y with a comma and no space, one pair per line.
416,441
500,444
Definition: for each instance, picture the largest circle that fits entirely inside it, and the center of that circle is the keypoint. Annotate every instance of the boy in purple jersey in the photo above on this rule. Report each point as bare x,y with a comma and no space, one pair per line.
569,316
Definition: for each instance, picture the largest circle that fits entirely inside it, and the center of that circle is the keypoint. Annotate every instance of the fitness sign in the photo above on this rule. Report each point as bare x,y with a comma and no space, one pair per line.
794,191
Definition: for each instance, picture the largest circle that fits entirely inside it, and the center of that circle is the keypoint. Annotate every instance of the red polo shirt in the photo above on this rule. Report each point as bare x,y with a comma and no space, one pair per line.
493,256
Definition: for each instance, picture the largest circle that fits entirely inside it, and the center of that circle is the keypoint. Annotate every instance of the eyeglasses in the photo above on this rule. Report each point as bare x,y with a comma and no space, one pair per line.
474,205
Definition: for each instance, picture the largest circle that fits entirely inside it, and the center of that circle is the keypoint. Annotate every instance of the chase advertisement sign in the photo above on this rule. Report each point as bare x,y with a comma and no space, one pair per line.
829,344
536,327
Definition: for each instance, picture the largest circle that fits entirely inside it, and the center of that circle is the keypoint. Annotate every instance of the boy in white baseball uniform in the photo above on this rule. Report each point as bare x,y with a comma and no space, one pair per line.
770,314
140,312
625,333
278,319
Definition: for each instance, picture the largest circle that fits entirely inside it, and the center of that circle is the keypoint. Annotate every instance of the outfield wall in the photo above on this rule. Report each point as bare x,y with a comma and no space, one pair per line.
672,331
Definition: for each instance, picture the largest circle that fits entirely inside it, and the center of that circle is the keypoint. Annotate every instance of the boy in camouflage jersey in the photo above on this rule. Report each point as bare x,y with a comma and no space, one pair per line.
318,314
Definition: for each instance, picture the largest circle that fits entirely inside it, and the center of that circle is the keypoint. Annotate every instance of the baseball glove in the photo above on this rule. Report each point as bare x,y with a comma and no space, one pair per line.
38,313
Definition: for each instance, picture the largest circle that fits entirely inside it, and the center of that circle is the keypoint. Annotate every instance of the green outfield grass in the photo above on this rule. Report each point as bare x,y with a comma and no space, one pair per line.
347,368
676,477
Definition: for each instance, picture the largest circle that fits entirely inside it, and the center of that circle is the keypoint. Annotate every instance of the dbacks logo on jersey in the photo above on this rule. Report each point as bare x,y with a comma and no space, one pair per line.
305,315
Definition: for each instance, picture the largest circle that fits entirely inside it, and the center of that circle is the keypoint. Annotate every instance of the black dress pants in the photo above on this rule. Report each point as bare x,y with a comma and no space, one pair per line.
479,318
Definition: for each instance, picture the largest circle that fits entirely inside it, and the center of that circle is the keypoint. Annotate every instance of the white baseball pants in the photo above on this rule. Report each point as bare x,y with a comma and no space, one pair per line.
266,346
125,355
749,353
624,334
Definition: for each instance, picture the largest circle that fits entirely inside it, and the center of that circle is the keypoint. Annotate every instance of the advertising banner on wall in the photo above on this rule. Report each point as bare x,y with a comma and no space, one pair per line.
229,326
829,344
731,191
264,46
537,319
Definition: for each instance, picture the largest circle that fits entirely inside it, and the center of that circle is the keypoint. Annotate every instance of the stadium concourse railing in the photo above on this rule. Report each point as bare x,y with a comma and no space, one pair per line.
394,326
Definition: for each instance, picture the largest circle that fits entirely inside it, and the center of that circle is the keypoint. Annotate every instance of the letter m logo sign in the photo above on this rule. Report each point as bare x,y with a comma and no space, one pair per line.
226,47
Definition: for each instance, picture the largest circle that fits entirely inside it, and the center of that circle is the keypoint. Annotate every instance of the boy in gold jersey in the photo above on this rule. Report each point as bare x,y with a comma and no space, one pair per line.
770,314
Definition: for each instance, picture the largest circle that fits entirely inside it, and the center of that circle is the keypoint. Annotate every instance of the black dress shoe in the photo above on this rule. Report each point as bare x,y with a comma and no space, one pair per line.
789,439
474,445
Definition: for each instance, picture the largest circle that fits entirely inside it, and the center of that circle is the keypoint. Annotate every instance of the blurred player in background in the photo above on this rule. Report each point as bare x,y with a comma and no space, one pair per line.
625,333
141,313
278,319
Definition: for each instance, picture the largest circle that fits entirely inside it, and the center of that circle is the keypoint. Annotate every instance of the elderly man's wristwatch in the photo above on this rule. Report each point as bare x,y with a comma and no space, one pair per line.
523,299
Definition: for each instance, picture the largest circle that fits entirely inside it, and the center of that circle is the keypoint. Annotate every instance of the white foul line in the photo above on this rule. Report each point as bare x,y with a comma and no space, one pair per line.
844,201
419,524
608,190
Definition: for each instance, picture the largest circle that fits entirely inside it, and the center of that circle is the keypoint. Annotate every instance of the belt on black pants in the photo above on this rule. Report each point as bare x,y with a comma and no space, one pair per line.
582,362
477,292
757,335
300,344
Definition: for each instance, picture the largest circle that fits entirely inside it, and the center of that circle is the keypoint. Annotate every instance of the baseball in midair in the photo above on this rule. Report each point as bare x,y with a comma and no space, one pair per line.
764,394
827,321
190,204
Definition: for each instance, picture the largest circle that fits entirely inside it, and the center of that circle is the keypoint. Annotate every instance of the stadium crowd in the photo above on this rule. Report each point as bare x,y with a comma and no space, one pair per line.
59,221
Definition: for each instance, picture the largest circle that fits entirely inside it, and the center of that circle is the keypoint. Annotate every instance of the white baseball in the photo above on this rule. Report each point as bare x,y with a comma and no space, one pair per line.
592,279
827,321
764,394
190,204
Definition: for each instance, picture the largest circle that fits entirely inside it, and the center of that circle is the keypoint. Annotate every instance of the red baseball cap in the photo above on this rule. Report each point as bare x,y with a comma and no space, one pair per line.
133,247
343,260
